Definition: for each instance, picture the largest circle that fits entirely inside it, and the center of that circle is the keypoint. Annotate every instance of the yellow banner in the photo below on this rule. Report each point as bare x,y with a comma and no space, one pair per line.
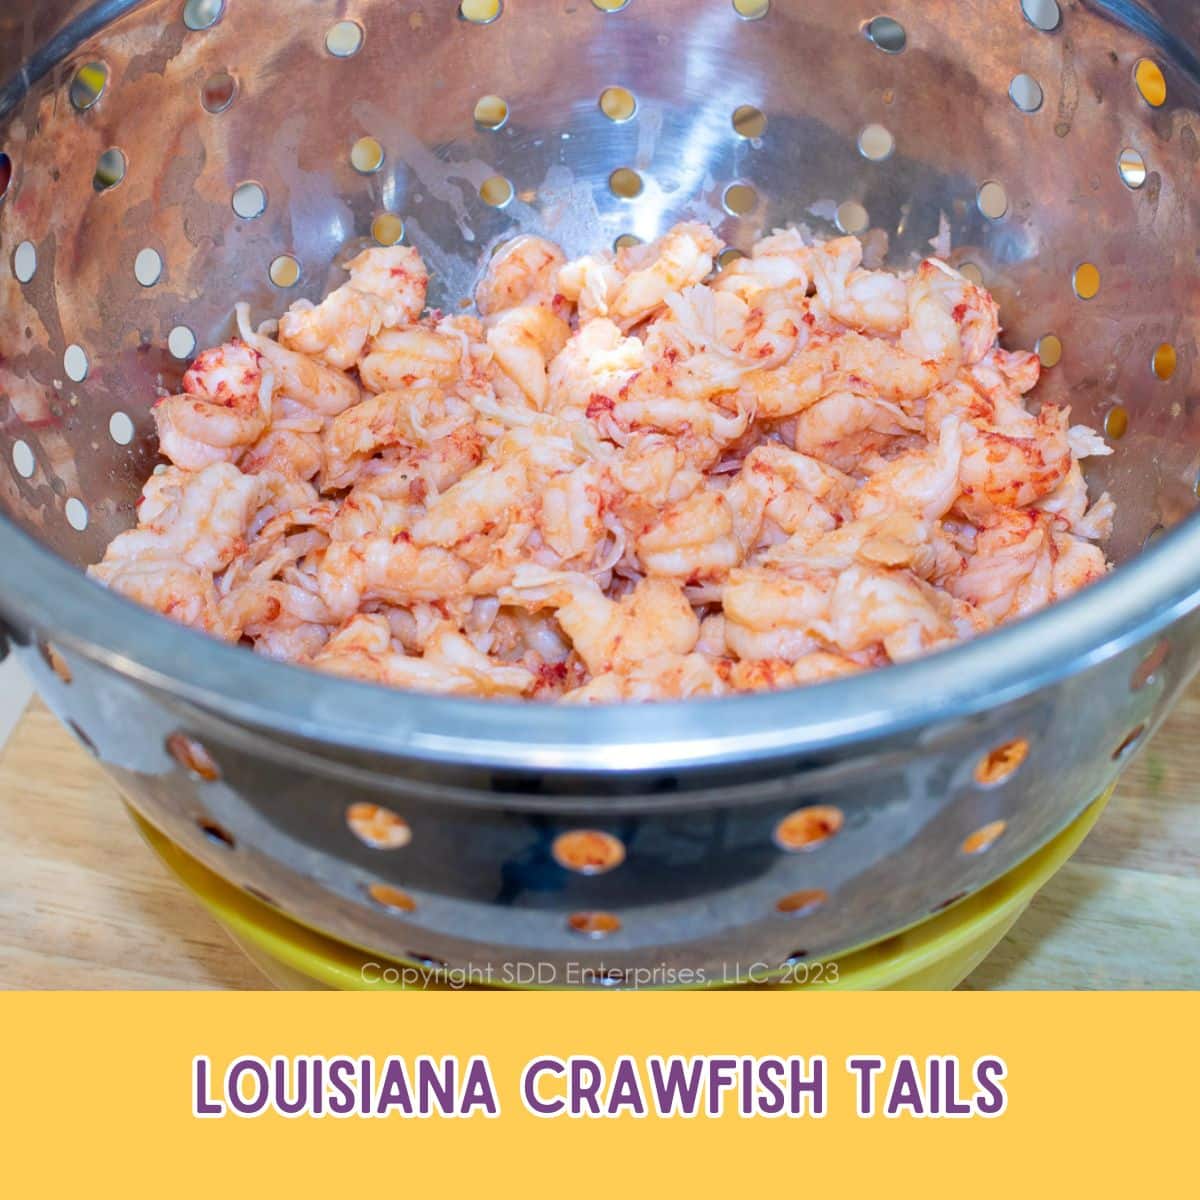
597,1094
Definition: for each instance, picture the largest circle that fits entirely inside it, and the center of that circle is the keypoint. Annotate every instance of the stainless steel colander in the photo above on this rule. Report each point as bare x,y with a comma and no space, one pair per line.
163,160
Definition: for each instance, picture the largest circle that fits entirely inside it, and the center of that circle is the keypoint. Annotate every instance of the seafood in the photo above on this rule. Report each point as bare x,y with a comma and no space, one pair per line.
661,270
222,410
632,476
386,288
522,272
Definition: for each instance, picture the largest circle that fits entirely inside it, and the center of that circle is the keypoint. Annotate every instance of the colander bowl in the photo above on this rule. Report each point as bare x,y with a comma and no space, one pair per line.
163,160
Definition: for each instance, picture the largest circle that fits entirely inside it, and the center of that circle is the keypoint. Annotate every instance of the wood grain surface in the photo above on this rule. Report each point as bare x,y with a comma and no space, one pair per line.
85,904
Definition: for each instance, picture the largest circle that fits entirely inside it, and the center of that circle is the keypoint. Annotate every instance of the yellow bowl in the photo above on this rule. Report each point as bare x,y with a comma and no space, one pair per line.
936,955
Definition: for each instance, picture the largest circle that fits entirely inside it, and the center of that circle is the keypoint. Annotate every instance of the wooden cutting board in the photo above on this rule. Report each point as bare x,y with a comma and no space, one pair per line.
85,904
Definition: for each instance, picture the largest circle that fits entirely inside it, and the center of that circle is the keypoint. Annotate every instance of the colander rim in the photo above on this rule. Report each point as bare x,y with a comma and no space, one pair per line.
1137,601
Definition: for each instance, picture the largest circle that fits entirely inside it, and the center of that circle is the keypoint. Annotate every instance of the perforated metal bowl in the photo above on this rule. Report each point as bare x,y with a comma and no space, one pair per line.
1058,147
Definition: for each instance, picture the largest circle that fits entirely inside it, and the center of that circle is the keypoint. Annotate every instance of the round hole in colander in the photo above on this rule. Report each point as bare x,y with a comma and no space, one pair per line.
284,271
1042,14
88,85
391,898
249,200
1049,350
984,838
1132,168
120,428
496,191
378,827
1129,743
55,661
739,199
218,835
626,183
191,754
853,218
875,142
1116,422
76,513
1086,281
491,112
181,342
148,267
809,827
480,12
426,962
366,155
594,924
887,33
1001,762
1026,93
111,168
25,262
387,229
802,903
618,104
22,459
1151,83
218,92
750,10
202,14
76,363
993,200
588,851
1148,669
344,39
1165,361
749,121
